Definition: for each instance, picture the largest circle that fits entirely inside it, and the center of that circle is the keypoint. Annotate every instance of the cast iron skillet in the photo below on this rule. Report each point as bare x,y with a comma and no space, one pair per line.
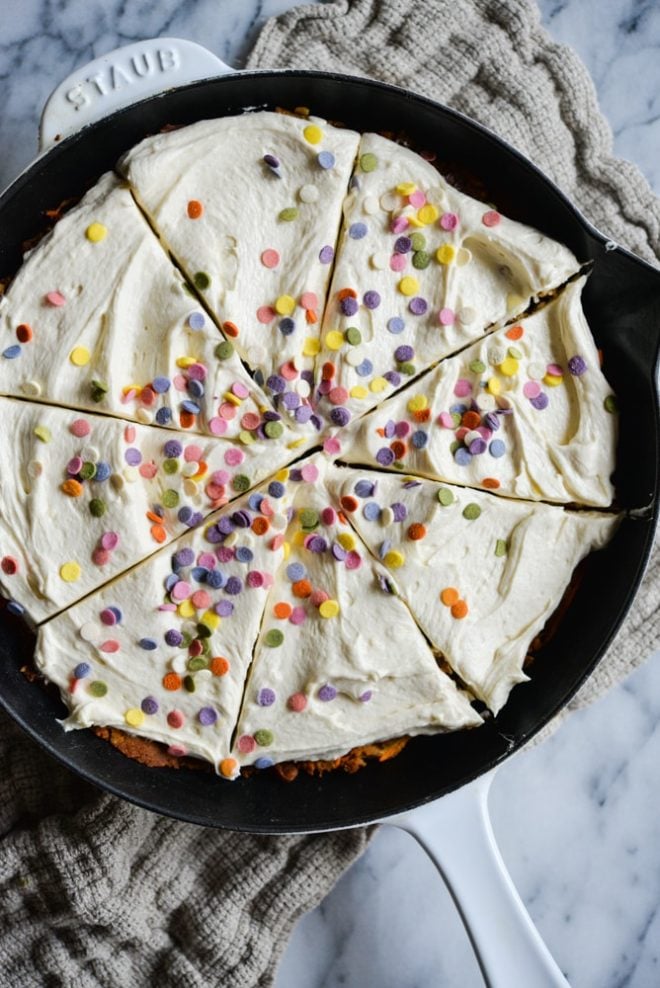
622,302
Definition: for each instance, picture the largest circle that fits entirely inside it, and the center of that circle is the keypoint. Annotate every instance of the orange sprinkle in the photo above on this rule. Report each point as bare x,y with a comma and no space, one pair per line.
158,533
328,371
172,681
24,333
381,432
399,448
186,420
599,352
202,467
349,503
311,316
449,596
152,516
219,666
471,420
227,767
195,209
423,415
346,293
416,531
515,333
282,610
301,588
230,329
72,487
491,483
260,525
459,609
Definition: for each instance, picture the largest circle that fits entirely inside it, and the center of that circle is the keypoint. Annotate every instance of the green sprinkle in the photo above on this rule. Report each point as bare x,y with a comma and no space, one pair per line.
97,688
309,518
170,465
197,663
421,260
611,404
456,418
407,368
514,352
88,470
368,162
445,497
98,507
273,429
203,631
263,737
453,446
224,350
274,638
477,366
353,336
501,547
186,639
418,241
245,437
99,389
288,214
189,684
240,482
471,511
170,498
201,280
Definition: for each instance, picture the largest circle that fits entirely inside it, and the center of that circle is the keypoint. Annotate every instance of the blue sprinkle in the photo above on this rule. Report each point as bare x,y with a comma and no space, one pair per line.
103,471
371,510
419,439
365,368
216,579
263,762
384,548
243,554
254,501
276,489
196,320
199,574
286,326
190,406
357,231
161,384
117,613
14,607
163,416
463,456
326,159
365,488
184,514
458,409
396,325
497,448
195,389
171,579
12,352
148,643
295,572
82,669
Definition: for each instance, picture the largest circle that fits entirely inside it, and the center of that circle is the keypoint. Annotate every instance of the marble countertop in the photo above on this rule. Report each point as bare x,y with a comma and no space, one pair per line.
577,817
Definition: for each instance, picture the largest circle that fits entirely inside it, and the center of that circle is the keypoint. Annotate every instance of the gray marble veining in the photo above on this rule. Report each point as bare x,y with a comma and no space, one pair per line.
577,818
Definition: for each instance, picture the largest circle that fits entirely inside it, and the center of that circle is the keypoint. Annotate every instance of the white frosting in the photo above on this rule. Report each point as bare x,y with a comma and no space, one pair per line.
118,658
564,452
371,653
144,472
119,304
490,274
510,565
220,164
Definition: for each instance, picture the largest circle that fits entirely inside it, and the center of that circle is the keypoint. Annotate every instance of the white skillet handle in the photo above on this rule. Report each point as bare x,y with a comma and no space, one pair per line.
121,77
456,833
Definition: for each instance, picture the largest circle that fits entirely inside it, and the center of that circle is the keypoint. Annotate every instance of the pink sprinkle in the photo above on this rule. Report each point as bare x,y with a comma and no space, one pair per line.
449,221
175,719
331,446
531,389
148,470
179,382
220,477
128,396
108,617
338,396
328,516
491,218
74,465
80,428
402,429
309,300
297,702
277,542
310,473
417,198
239,389
265,314
167,607
129,434
446,317
193,453
270,258
398,262
200,599
55,299
461,432
207,560
325,387
445,420
462,388
233,457
227,411
399,224
289,371
180,590
110,540
250,421
298,616
225,553
246,744
484,432
254,578
555,370
268,580
266,508
353,560
100,556
217,426
177,750
197,372
317,597
111,645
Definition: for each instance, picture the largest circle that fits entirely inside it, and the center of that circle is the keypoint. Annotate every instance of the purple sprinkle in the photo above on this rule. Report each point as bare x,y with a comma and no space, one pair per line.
396,325
364,488
286,326
184,514
233,586
478,446
272,161
348,306
224,608
403,245
409,484
577,365
326,255
327,693
82,669
272,416
497,448
241,519
403,353
276,489
207,716
266,697
357,231
296,571
418,305
371,299
303,413
316,422
308,375
133,456
295,475
291,400
366,696
185,557
491,421
173,637
390,429
540,402
276,384
149,705
214,535
340,416
463,456
339,552
317,544
399,511
393,377
385,456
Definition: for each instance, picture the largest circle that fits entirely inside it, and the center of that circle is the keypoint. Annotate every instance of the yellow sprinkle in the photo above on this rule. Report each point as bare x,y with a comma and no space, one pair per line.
346,541
509,367
96,232
408,285
445,254
286,550
427,213
394,559
133,717
80,356
70,572
185,361
493,387
131,387
245,437
43,432
552,380
334,340
210,620
417,403
406,188
296,443
313,134
231,398
282,475
311,346
285,305
514,302
299,537
186,609
413,221
329,609
359,392
377,385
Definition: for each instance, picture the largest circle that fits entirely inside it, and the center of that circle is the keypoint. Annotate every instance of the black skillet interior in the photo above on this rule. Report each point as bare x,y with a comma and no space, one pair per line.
622,302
